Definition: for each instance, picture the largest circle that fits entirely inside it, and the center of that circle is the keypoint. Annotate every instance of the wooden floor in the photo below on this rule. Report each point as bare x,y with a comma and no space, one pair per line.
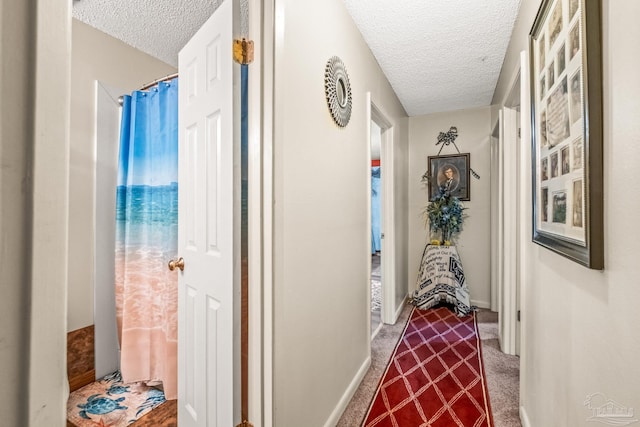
165,415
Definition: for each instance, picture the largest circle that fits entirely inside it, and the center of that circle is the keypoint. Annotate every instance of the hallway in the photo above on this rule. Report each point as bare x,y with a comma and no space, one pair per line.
502,372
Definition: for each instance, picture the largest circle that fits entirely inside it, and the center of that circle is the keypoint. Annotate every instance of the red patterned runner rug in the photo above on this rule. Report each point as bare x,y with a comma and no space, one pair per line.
435,376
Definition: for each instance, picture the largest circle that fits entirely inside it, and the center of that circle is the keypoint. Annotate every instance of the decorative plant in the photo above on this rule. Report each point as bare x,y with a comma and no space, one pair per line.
445,215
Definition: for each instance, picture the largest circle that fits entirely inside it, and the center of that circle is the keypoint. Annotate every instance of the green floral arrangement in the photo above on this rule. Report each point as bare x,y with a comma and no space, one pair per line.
445,215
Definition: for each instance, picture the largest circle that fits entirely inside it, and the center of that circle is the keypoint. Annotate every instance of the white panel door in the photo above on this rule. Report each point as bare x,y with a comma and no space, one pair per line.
206,224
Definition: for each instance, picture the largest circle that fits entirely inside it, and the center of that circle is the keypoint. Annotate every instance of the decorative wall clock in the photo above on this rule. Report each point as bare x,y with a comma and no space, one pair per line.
338,91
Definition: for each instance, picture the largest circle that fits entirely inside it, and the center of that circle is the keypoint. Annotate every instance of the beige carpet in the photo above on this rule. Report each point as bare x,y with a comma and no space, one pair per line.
501,371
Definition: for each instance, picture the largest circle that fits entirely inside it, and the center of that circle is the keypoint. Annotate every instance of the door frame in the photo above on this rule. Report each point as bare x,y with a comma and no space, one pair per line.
260,213
509,184
373,333
514,191
387,212
525,221
496,230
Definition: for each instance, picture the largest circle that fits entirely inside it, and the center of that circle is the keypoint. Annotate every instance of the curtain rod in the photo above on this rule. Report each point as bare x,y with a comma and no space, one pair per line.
152,84
156,81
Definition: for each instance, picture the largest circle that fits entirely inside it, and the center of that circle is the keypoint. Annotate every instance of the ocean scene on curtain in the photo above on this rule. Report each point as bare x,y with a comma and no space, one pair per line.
147,237
376,243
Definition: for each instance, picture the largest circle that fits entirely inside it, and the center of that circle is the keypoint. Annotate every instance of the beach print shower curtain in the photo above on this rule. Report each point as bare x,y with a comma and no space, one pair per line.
376,234
147,237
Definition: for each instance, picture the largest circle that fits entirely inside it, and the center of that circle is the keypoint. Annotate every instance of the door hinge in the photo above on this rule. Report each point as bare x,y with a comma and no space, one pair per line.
243,51
518,315
245,423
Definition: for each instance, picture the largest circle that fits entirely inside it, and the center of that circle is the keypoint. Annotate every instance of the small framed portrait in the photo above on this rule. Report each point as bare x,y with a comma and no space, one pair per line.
577,154
566,162
558,114
575,98
574,41
577,216
555,23
573,8
561,60
543,129
552,74
554,164
559,207
544,169
541,53
451,173
545,204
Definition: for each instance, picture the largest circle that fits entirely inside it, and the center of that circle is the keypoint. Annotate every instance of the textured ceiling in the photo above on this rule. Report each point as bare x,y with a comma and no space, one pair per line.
157,27
439,55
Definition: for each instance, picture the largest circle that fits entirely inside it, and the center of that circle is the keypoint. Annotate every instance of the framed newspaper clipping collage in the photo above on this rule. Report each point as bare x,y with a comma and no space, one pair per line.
566,98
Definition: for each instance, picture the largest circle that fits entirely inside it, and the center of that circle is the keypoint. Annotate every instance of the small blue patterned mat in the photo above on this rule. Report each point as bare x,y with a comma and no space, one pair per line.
111,403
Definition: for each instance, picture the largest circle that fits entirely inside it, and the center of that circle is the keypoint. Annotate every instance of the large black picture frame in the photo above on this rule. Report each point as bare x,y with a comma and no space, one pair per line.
566,121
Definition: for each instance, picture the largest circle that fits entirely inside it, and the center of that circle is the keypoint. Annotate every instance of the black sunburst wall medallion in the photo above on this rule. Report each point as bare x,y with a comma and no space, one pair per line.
338,91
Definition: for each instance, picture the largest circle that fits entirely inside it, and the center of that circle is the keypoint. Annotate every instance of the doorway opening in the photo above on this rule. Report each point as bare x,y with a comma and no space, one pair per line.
218,311
510,206
381,239
510,190
376,229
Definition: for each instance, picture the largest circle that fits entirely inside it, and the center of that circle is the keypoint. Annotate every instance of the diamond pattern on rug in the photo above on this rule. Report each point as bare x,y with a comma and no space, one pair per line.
435,377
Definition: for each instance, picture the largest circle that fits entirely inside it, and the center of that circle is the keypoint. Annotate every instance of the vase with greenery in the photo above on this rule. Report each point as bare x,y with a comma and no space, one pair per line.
445,214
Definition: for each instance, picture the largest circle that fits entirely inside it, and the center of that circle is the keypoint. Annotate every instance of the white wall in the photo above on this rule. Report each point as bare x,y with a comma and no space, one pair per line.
474,242
581,334
34,158
95,56
376,141
16,145
321,248
107,348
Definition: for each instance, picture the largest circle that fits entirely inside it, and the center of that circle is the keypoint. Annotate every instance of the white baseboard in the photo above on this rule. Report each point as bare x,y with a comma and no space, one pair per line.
348,394
399,309
524,419
481,304
378,329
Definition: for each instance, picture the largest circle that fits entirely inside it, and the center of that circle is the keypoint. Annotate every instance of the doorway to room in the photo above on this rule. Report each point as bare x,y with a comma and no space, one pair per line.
511,194
231,74
382,283
376,229
381,286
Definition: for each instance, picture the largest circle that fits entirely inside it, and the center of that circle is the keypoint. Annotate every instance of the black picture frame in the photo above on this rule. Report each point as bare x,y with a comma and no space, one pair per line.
461,184
566,123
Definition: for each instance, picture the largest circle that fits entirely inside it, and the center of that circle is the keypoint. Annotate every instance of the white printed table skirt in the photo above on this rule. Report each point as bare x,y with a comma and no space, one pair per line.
441,279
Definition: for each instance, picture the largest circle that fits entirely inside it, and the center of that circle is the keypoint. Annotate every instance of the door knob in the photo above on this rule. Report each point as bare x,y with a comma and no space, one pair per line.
179,263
